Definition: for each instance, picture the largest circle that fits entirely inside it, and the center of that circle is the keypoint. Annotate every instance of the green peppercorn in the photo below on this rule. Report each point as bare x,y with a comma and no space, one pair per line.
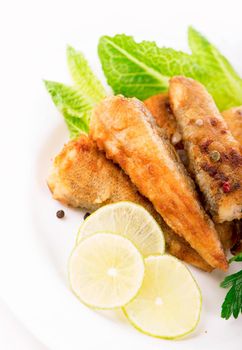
214,156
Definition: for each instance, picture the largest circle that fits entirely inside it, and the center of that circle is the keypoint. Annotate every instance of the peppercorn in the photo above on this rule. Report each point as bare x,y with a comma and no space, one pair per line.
213,122
214,156
199,122
60,214
226,187
86,216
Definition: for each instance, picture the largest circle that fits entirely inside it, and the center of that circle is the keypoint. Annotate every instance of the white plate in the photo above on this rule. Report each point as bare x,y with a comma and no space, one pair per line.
34,244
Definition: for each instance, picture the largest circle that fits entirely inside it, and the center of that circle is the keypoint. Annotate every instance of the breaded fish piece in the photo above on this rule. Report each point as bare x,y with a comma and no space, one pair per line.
127,132
83,177
159,106
214,155
227,235
233,118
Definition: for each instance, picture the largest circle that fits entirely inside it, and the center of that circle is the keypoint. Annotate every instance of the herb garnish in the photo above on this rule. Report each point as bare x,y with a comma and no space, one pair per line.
143,69
76,102
232,304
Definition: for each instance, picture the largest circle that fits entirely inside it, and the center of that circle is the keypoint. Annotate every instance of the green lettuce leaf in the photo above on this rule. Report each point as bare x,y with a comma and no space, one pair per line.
74,107
141,69
76,102
220,79
83,76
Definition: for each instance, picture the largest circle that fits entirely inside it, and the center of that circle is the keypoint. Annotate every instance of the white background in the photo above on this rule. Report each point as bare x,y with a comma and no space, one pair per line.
33,37
13,335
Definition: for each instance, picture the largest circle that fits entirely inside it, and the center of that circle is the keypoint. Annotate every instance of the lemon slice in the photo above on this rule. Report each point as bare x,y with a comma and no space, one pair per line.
129,220
168,304
106,270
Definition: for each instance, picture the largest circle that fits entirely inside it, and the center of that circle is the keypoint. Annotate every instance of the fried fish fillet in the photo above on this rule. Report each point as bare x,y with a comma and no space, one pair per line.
127,132
159,106
233,118
214,155
82,177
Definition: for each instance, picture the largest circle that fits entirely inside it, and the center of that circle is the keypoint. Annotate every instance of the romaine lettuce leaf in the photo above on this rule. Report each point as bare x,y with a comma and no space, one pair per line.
141,69
83,76
220,79
76,102
74,107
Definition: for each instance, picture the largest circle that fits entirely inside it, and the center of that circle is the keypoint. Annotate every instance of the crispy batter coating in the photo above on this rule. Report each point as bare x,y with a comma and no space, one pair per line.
159,106
233,118
126,131
227,234
215,157
82,177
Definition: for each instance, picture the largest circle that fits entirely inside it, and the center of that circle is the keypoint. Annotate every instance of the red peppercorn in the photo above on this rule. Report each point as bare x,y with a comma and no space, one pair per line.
226,187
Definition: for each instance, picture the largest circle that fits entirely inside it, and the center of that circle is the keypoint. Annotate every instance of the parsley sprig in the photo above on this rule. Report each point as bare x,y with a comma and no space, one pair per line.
232,304
237,257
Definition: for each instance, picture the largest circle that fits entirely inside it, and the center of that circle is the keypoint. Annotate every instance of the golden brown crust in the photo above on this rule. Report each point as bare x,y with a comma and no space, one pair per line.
226,233
81,174
233,118
159,107
83,177
127,132
214,155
